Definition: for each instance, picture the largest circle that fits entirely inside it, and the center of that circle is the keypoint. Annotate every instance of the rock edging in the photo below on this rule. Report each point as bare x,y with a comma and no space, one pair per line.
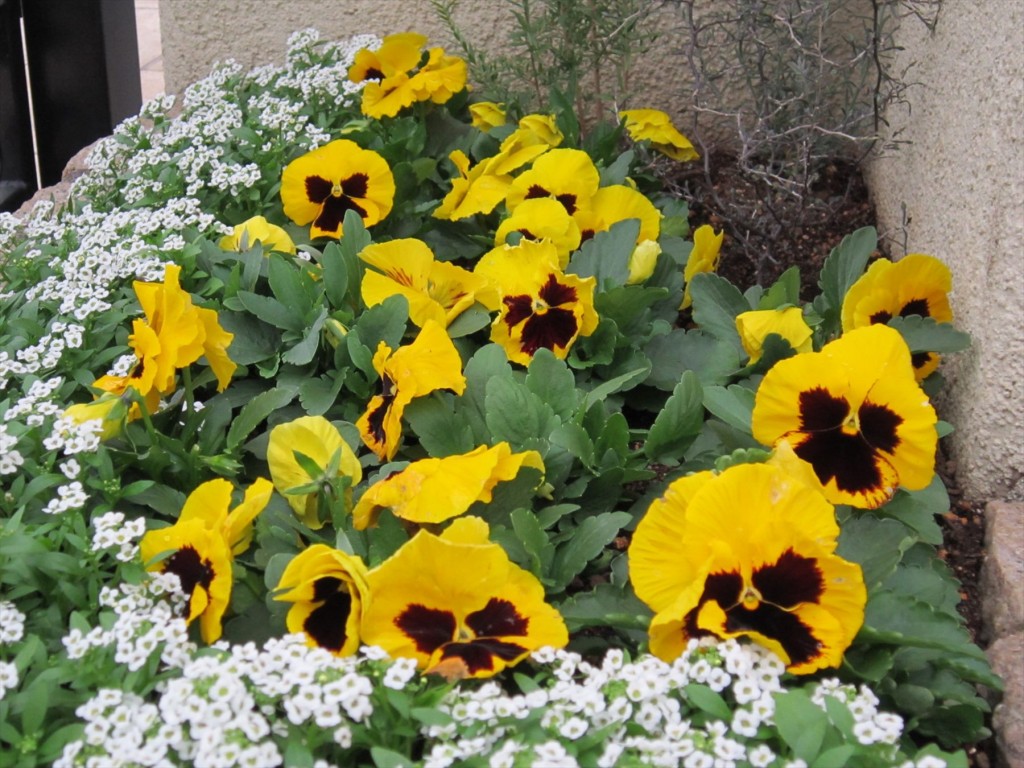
1002,589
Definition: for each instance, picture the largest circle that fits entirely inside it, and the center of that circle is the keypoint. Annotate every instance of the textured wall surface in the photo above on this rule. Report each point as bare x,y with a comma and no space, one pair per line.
196,33
962,181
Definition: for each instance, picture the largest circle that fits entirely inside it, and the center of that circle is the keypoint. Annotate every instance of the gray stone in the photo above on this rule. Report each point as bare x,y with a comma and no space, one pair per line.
1005,655
59,192
1002,573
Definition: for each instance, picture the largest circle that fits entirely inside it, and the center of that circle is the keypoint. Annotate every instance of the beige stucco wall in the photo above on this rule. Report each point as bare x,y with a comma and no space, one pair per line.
196,33
962,181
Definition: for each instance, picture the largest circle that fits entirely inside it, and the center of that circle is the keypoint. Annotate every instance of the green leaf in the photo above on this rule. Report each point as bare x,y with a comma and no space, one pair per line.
621,383
674,353
605,605
319,394
678,423
876,544
835,756
470,321
903,620
303,352
716,302
297,754
784,291
919,509
551,380
253,340
845,265
440,430
801,723
733,405
384,758
515,414
707,700
336,274
271,311
534,540
431,716
924,334
576,440
286,281
605,256
256,411
587,541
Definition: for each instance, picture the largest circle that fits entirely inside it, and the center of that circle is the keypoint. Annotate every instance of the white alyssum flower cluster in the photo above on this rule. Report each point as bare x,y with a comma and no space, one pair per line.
111,530
12,629
230,706
149,619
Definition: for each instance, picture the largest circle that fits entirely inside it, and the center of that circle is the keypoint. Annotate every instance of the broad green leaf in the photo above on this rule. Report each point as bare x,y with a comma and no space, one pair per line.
589,538
515,414
256,411
605,605
830,758
845,265
716,302
335,273
551,380
674,353
319,394
902,620
440,430
272,311
534,540
303,352
678,423
253,340
707,700
733,405
576,440
470,321
785,291
919,510
286,281
619,384
605,256
924,334
430,716
876,544
801,723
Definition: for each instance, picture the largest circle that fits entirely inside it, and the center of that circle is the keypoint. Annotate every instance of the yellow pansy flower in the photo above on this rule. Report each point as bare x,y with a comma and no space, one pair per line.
487,115
257,230
319,440
429,363
329,592
457,605
755,326
707,245
748,553
324,184
436,290
855,412
433,490
655,126
203,543
917,284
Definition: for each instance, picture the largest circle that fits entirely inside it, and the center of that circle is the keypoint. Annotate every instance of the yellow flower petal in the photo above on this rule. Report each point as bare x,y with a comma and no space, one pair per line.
655,126
703,257
755,326
257,230
436,489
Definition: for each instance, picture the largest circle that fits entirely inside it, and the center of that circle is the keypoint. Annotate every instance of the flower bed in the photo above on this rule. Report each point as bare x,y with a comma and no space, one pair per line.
349,420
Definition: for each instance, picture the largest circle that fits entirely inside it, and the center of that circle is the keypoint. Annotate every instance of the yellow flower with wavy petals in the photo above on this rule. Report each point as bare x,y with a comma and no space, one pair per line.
433,490
257,230
329,592
755,326
855,412
457,605
324,184
748,553
655,126
707,245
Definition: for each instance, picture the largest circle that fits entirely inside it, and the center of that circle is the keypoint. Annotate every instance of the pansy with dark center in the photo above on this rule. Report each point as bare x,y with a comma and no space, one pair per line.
326,183
747,553
855,413
457,605
328,590
915,285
